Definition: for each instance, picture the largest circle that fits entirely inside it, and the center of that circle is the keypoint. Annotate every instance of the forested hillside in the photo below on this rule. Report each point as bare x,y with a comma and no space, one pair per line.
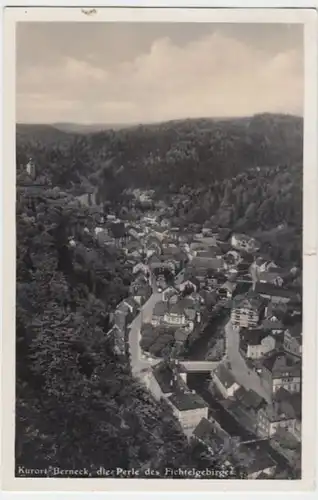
243,173
167,155
77,404
75,399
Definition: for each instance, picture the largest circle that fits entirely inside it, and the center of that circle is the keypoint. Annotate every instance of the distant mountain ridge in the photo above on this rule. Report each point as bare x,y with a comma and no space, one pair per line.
190,152
40,133
83,128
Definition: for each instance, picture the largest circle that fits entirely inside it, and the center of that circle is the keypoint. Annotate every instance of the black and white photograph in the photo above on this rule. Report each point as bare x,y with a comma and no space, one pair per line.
159,250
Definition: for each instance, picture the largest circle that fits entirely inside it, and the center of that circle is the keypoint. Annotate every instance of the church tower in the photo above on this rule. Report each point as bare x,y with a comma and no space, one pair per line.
30,168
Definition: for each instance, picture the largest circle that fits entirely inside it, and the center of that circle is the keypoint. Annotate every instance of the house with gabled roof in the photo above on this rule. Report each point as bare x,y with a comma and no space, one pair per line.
276,294
141,293
222,234
224,381
158,313
117,335
189,408
168,379
215,264
255,343
159,232
227,289
175,314
273,325
153,261
140,267
244,408
170,294
249,399
293,339
207,434
281,369
262,264
188,284
282,412
259,461
132,305
272,277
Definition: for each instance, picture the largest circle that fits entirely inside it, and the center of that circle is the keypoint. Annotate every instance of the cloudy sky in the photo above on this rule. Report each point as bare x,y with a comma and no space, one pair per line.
138,72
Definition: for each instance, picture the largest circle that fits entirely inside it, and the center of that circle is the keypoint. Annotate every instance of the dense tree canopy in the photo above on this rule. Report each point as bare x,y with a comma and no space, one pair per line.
196,151
77,404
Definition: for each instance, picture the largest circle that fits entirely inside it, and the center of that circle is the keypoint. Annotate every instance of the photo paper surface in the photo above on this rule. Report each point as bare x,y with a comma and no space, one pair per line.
162,249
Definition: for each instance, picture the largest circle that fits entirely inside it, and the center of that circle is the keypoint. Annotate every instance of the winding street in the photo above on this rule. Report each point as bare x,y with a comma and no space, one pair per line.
137,362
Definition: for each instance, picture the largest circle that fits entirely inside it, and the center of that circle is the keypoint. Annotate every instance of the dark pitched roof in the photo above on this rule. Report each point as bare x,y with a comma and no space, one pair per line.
223,234
170,291
203,429
181,334
122,308
280,362
212,263
225,376
210,253
147,329
191,279
165,378
243,266
268,324
142,290
249,398
153,259
251,300
184,401
296,330
131,302
260,451
192,272
229,285
268,276
160,309
252,336
177,308
274,291
294,399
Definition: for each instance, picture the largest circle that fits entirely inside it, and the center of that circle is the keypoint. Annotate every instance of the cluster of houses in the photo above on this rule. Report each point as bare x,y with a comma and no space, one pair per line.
168,382
268,321
195,272
175,313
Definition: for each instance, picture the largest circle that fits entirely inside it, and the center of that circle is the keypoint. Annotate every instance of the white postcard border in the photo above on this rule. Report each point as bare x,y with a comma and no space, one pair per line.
308,18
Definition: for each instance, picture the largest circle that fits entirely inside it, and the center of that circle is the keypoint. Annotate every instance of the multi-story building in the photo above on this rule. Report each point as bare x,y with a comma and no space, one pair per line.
189,408
158,313
175,315
283,412
247,311
293,339
280,370
224,381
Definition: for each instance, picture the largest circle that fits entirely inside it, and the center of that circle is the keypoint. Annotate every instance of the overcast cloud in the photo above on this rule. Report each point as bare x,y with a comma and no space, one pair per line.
128,73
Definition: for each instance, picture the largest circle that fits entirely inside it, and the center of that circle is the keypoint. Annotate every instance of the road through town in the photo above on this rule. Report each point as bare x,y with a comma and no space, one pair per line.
244,376
137,362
